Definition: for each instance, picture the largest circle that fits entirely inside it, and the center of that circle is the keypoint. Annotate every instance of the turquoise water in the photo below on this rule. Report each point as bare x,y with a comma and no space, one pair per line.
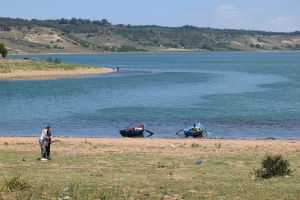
234,94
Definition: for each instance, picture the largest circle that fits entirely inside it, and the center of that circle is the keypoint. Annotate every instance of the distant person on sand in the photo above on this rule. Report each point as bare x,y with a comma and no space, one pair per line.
44,142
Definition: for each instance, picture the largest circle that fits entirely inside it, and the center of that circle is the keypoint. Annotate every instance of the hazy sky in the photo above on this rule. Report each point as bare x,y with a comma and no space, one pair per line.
274,15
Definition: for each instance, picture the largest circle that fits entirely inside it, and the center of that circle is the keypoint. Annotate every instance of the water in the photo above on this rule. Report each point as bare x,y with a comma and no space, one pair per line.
234,94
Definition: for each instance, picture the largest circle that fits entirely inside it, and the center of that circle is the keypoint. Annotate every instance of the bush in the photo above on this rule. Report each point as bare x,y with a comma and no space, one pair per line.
273,165
3,50
15,183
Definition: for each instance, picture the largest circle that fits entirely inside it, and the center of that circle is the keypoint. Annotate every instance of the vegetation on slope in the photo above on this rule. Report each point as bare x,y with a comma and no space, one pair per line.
84,35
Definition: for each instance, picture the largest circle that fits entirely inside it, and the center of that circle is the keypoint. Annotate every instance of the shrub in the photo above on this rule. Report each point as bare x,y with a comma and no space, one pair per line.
273,165
15,183
3,50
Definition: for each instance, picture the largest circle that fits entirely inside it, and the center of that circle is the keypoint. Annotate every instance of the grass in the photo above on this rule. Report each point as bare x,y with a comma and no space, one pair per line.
139,176
15,183
32,65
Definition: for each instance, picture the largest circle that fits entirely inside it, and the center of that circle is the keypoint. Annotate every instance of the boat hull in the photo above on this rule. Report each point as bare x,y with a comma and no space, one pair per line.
194,134
136,131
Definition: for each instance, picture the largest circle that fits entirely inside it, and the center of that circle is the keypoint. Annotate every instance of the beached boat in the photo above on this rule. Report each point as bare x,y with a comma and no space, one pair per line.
135,131
194,130
193,133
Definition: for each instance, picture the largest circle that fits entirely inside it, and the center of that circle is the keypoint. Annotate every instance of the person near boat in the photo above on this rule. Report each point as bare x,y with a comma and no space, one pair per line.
196,128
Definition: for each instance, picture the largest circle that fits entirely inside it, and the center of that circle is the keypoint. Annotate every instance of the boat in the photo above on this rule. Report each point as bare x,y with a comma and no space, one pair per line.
194,130
135,131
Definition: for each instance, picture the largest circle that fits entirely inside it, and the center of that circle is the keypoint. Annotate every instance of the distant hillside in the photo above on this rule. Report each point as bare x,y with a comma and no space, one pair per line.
83,35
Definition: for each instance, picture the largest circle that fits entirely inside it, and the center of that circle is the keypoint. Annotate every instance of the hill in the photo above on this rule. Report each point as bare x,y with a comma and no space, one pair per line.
87,36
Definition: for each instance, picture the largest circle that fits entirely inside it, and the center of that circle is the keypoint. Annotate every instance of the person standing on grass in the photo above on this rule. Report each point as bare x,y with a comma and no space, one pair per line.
48,142
42,141
45,142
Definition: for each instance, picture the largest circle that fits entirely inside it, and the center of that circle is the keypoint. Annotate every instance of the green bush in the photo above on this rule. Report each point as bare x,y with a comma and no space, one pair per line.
3,50
273,165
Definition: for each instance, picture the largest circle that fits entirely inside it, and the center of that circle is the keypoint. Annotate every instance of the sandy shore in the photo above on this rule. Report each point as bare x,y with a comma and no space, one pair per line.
154,146
52,74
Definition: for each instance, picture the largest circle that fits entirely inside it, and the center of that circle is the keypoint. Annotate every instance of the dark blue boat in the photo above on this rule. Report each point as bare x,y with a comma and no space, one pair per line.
135,131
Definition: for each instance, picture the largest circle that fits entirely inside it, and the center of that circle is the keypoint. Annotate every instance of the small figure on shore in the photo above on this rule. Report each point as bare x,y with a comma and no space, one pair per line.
45,142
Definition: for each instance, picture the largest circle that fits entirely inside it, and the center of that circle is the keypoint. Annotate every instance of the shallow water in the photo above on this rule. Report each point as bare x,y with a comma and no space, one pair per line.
234,94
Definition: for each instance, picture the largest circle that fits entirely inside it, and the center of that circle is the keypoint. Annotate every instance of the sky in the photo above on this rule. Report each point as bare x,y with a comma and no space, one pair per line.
268,15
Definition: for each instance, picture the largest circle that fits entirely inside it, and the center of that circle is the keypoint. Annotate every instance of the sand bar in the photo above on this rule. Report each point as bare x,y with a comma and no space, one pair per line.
18,69
52,74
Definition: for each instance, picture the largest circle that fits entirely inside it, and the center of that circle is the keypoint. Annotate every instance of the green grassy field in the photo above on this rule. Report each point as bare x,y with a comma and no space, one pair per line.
31,65
124,175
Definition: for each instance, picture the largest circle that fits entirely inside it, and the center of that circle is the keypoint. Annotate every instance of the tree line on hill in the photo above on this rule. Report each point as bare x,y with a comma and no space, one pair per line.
67,25
79,25
143,36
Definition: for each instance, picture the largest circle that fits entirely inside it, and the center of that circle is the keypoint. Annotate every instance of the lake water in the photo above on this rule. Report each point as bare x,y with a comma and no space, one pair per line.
234,94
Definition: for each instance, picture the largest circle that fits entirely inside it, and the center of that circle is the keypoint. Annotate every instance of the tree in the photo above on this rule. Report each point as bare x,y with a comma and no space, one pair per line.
3,50
104,22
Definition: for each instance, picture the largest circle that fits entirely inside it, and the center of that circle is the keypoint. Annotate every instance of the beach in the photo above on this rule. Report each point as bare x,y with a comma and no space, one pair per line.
162,146
148,168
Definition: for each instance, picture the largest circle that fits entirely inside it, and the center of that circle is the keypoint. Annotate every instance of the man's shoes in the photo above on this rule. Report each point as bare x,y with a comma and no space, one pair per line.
44,159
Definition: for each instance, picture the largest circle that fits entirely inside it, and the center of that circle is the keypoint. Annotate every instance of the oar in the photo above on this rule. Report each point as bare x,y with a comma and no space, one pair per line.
151,133
182,129
207,132
179,131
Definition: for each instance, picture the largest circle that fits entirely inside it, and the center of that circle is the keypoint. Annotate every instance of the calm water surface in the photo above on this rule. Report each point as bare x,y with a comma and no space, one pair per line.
234,94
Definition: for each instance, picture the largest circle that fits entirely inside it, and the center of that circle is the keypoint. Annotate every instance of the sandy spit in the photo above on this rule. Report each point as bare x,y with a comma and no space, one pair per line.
52,74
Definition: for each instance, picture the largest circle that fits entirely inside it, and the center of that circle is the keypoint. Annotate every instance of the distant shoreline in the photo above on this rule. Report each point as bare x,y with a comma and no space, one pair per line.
139,52
95,53
158,138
